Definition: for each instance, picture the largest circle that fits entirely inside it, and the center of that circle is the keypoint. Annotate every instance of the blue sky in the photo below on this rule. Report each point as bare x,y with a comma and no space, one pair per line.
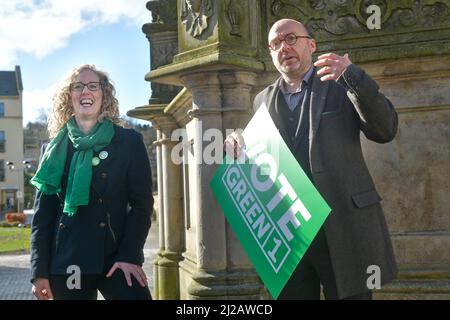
108,36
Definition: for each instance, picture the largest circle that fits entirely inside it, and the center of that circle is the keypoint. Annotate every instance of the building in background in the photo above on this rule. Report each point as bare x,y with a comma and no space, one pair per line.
11,141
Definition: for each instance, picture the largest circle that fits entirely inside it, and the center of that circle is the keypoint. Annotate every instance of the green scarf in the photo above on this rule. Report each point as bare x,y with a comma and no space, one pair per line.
49,175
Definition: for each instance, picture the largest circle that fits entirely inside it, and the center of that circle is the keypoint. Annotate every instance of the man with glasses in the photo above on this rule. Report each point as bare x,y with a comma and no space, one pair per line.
320,120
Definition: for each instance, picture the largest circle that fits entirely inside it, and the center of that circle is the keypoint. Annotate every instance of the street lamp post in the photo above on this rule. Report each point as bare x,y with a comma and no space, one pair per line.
26,165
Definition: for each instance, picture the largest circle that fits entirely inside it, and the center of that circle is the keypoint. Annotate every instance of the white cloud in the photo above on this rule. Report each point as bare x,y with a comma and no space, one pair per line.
41,27
37,101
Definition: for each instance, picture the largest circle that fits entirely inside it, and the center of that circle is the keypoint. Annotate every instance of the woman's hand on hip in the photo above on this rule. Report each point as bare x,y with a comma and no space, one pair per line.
128,270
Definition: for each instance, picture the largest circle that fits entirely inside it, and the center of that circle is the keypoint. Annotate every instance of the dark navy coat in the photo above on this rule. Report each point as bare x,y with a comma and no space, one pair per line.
112,227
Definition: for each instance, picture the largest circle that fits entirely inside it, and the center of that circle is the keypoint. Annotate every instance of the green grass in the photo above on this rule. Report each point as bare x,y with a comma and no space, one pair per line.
14,239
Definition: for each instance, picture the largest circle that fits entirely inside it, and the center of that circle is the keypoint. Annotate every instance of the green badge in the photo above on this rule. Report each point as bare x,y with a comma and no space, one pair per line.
95,161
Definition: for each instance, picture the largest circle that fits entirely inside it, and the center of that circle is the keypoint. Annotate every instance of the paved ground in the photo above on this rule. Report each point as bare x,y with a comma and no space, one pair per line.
15,270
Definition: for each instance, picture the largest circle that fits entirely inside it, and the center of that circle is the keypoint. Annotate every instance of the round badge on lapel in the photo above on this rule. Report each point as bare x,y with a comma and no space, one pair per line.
95,161
103,155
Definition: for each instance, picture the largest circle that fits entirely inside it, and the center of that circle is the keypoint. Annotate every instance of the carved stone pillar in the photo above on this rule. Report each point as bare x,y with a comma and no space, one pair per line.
163,37
171,221
170,203
210,246
218,268
173,215
160,216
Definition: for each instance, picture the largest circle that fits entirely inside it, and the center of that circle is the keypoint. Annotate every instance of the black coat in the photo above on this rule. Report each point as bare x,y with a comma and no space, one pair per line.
112,227
356,231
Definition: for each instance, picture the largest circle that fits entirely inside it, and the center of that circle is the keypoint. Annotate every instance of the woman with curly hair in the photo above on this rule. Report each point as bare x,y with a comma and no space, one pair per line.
94,197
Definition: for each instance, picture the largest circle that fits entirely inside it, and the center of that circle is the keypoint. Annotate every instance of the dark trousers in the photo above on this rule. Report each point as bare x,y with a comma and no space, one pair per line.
113,288
315,269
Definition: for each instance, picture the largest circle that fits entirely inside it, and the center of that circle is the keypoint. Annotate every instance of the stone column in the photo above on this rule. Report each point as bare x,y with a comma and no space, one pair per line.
211,258
172,221
237,100
220,101
237,87
162,36
160,214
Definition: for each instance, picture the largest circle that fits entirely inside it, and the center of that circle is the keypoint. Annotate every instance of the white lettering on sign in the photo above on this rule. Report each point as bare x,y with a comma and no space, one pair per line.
290,216
274,250
286,189
261,225
256,217
272,236
254,210
261,163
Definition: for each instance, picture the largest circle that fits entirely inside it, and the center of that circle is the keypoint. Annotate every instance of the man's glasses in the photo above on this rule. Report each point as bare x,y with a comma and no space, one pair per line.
79,86
290,39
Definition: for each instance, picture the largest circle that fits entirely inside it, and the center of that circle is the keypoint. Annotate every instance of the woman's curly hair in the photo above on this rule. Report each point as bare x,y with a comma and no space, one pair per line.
62,101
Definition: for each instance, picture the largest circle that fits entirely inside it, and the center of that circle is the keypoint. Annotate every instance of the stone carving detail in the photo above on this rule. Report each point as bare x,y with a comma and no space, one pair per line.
234,18
284,9
163,54
195,14
427,16
161,33
331,18
163,93
163,11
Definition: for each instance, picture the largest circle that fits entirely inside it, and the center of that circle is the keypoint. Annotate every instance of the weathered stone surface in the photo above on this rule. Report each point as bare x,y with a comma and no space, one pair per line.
407,27
162,35
418,282
412,173
422,248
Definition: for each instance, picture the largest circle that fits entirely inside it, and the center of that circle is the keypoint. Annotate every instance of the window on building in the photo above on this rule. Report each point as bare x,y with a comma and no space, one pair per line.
2,170
2,141
2,109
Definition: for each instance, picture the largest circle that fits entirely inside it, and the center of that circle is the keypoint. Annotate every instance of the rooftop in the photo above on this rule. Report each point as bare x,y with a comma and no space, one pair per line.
11,83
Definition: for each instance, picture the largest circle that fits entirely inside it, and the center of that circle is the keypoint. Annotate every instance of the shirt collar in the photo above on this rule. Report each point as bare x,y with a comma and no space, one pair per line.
305,81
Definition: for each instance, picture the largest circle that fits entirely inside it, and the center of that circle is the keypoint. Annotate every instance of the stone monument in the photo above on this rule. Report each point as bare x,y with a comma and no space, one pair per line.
209,58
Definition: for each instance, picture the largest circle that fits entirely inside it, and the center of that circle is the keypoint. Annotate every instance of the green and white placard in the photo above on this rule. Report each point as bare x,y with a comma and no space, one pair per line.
269,201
